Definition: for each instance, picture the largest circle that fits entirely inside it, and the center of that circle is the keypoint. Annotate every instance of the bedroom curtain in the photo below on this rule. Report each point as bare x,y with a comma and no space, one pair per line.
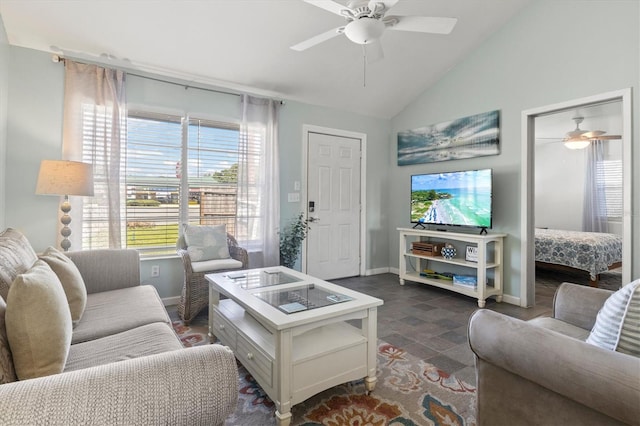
594,212
258,211
94,131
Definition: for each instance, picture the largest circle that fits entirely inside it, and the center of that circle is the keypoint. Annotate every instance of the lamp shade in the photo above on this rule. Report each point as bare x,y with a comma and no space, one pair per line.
60,177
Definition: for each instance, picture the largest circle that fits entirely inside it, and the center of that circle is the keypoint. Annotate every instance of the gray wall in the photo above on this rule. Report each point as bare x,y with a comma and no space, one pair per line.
35,129
4,97
541,57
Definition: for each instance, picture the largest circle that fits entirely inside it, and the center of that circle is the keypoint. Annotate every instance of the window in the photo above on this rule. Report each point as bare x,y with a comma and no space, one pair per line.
153,174
609,177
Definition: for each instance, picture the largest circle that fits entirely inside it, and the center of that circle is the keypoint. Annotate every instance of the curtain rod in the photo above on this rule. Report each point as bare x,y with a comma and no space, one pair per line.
58,58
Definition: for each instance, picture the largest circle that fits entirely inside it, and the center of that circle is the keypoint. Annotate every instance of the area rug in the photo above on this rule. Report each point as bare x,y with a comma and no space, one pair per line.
409,392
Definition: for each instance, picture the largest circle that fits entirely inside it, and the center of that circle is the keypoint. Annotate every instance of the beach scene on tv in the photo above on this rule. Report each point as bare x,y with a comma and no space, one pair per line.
456,198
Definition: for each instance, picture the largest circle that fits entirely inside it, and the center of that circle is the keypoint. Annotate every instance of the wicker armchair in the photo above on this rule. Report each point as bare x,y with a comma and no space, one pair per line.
195,289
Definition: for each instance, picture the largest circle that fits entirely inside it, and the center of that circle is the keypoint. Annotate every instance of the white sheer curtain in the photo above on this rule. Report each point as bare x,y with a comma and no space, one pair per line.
258,213
594,212
94,131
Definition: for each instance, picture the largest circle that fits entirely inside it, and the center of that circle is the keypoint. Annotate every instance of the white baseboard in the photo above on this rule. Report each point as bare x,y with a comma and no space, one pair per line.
171,301
512,300
376,271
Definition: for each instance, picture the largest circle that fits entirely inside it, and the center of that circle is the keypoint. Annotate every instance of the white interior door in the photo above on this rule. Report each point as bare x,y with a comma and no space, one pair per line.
333,205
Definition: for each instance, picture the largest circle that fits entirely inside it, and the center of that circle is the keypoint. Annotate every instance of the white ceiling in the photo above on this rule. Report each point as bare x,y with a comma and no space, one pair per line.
244,44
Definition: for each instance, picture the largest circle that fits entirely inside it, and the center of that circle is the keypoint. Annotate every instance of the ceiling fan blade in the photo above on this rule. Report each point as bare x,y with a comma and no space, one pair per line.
328,5
373,51
423,24
317,39
605,137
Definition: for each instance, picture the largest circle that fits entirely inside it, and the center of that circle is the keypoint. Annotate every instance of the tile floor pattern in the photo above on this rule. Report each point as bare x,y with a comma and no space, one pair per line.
431,323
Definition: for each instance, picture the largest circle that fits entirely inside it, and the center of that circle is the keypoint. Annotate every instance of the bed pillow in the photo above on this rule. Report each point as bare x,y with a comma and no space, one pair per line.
38,323
72,282
206,242
617,326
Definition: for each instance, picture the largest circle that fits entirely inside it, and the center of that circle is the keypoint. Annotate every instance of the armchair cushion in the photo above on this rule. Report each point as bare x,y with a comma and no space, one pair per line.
206,242
38,323
71,280
617,325
216,265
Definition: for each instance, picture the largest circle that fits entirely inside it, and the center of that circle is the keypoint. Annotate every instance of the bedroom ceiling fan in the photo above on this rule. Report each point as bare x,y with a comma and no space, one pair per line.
578,138
367,21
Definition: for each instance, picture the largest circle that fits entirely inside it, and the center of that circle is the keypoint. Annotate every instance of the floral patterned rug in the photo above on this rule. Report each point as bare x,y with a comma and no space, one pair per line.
409,392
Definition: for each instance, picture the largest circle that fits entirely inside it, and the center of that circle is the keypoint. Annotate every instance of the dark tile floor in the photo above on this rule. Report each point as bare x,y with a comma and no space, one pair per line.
431,323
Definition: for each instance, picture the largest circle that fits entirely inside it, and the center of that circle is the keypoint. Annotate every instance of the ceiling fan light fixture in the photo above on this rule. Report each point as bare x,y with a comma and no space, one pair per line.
364,30
576,143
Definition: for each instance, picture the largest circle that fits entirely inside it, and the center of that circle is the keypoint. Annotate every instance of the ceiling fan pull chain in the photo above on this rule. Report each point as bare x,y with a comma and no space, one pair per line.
364,65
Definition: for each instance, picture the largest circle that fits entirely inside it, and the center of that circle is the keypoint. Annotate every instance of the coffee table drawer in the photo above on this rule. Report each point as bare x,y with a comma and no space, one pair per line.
224,330
255,360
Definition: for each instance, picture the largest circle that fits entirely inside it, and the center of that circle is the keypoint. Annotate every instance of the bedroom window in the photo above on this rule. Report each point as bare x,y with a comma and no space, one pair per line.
159,150
609,176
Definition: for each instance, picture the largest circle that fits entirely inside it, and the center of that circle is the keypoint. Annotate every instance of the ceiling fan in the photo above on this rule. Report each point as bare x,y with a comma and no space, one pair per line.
367,21
578,138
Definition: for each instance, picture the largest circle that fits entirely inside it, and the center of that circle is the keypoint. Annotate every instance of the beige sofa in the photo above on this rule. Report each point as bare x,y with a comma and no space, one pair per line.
542,372
125,364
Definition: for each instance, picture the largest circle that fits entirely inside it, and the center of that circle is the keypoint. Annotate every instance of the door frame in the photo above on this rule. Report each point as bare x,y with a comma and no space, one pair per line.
306,130
527,190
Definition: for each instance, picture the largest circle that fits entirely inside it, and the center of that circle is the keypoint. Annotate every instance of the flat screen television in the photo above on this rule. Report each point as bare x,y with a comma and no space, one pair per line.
453,198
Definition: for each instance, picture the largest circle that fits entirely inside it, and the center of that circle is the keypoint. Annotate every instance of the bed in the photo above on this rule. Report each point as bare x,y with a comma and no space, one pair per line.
593,252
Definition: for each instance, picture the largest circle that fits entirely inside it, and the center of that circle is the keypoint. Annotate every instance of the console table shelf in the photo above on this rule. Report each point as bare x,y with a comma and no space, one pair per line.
489,264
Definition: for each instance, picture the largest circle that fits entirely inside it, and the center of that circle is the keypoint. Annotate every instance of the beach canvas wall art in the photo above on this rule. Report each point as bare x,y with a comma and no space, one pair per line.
474,136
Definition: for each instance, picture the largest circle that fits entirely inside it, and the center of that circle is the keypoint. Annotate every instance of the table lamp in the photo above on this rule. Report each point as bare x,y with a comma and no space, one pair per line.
61,177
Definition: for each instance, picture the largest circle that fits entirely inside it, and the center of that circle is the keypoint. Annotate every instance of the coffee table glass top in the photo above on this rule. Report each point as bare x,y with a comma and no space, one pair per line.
261,278
302,298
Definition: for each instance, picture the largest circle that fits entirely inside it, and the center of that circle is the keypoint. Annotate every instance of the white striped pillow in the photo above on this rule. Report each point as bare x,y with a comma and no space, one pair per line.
617,326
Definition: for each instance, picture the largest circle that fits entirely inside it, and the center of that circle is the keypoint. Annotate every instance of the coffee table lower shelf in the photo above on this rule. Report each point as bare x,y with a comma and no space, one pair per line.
312,358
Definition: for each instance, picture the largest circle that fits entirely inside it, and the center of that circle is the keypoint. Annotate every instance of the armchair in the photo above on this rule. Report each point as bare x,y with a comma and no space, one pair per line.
195,290
542,372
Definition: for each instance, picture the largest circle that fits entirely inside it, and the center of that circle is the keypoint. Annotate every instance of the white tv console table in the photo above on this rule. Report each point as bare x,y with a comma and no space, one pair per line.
489,256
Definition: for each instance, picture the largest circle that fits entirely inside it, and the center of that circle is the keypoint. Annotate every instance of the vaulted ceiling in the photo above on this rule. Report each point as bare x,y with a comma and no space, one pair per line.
244,45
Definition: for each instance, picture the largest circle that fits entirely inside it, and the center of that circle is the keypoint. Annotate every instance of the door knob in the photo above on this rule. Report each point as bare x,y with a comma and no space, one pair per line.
313,219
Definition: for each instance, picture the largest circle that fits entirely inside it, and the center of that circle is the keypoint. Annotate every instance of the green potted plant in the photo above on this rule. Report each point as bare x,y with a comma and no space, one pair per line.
291,240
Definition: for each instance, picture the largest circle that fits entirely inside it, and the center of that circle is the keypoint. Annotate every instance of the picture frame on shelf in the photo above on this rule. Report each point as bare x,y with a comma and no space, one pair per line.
471,254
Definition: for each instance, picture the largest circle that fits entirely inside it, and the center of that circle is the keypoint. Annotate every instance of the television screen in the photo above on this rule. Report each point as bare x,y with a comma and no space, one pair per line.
454,198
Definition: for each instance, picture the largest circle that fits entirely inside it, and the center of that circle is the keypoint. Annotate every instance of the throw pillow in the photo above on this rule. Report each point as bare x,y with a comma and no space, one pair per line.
7,372
38,323
71,280
206,242
617,326
16,257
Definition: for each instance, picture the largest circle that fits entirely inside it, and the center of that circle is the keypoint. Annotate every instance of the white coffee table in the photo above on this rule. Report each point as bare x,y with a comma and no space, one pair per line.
294,351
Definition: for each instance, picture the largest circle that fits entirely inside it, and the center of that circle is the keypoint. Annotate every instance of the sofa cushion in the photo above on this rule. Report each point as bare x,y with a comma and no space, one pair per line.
38,323
206,242
16,257
112,312
71,280
617,325
140,341
7,372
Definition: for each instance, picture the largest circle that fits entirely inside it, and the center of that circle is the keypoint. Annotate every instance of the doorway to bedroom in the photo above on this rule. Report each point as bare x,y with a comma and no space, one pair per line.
576,187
